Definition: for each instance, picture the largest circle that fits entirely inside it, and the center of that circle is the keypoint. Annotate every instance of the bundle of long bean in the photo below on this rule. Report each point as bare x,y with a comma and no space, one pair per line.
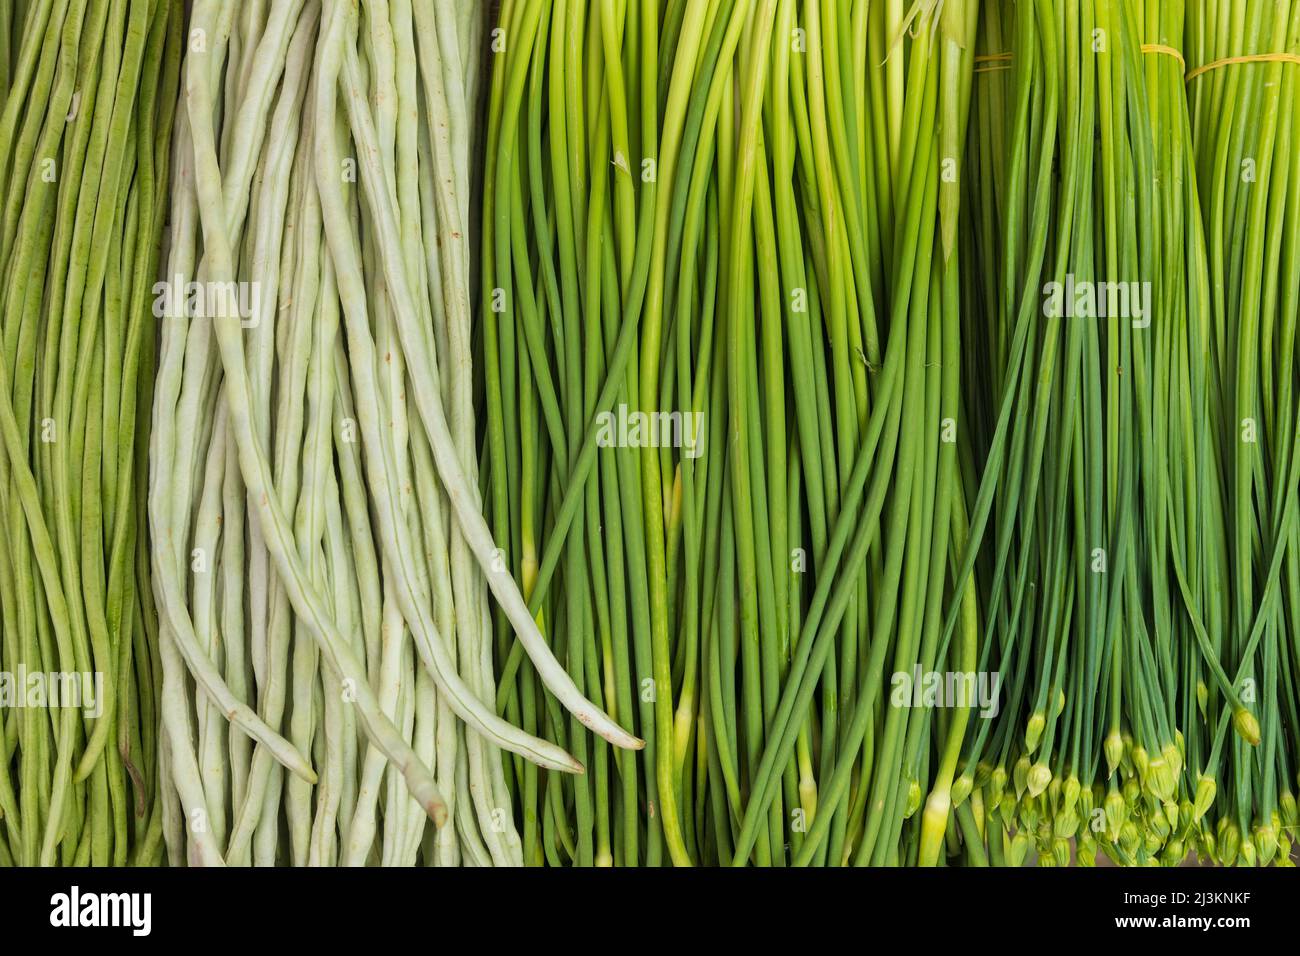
84,171
319,555
12,21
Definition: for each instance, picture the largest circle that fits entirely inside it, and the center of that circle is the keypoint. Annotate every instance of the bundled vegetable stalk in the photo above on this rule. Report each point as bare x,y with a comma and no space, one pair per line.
90,88
722,238
914,484
319,555
1078,615
1242,86
1124,621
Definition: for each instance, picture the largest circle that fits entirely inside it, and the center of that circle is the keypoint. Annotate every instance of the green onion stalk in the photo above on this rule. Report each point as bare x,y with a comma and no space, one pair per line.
771,230
984,555
1247,174
1114,587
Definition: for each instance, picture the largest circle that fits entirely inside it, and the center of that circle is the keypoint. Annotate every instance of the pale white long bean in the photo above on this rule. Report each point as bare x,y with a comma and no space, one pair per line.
253,464
361,354
424,379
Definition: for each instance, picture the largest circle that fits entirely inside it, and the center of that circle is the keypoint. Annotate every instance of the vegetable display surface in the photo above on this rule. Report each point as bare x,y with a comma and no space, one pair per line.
649,432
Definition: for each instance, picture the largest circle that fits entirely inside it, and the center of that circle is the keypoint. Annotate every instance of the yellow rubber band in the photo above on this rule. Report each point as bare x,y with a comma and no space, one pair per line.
1167,51
1001,61
1252,58
1004,59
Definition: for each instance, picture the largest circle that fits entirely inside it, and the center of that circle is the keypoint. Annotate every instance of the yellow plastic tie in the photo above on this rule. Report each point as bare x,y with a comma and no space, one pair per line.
1167,51
995,62
1251,58
1002,61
